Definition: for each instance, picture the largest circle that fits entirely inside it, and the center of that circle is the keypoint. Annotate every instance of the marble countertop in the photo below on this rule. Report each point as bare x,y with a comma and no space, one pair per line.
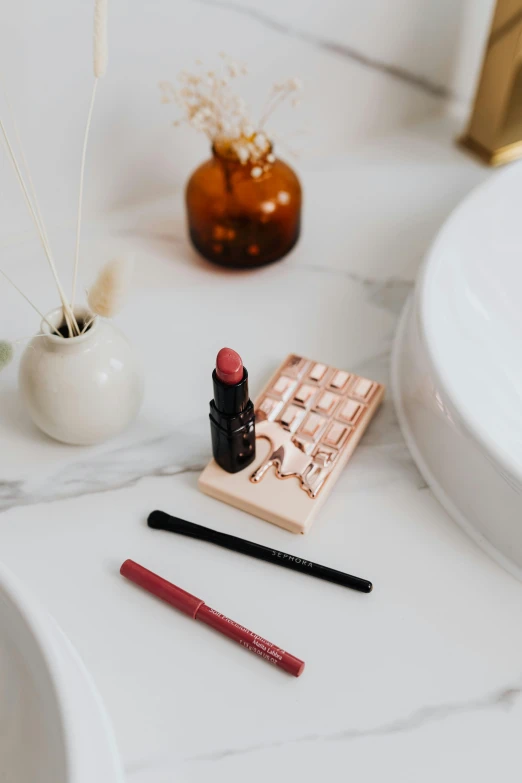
420,680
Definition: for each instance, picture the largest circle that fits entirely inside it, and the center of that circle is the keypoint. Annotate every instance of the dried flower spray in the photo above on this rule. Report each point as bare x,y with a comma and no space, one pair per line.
211,106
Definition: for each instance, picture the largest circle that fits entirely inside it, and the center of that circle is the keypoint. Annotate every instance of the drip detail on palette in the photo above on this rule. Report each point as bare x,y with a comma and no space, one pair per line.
309,415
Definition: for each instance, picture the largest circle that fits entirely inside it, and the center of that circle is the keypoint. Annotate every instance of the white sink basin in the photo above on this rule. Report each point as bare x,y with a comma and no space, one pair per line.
457,367
53,728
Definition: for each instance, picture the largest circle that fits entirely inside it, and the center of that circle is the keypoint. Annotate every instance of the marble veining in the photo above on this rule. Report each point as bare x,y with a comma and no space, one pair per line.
186,450
172,455
168,456
504,698
389,293
337,48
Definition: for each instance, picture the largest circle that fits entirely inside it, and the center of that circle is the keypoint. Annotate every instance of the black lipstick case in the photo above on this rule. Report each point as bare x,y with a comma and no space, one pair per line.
232,424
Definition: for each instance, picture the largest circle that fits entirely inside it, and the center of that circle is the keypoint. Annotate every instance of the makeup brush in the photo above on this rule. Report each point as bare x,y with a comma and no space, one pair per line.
159,520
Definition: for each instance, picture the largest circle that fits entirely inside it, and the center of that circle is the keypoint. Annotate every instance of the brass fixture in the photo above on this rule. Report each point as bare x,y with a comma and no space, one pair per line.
494,132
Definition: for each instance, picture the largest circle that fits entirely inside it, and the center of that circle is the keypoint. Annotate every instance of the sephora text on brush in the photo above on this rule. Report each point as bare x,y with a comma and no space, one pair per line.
159,520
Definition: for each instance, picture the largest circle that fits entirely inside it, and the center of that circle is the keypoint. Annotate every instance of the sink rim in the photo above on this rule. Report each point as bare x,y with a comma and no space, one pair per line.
76,704
417,448
450,235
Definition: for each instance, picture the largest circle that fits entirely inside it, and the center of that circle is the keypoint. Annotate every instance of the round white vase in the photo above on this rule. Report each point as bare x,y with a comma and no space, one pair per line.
81,390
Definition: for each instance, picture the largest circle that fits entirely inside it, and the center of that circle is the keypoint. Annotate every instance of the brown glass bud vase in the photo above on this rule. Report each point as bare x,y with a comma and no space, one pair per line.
243,215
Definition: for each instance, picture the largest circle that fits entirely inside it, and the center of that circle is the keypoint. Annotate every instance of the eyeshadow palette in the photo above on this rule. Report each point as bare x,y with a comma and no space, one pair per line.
309,419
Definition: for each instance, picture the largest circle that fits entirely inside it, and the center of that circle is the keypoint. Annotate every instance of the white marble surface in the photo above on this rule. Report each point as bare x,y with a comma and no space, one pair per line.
368,71
419,681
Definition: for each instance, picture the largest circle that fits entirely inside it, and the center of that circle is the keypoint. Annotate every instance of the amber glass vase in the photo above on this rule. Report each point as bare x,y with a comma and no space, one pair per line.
243,215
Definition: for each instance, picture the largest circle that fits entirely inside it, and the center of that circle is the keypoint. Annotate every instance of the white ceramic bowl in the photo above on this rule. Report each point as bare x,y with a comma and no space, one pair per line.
53,728
457,367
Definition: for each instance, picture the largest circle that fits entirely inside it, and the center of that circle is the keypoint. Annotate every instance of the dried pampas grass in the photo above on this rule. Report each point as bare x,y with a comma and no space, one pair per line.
100,38
26,182
100,56
33,210
42,316
109,293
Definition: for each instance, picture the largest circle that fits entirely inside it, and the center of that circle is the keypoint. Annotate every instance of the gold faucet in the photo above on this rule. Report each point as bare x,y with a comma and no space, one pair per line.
494,132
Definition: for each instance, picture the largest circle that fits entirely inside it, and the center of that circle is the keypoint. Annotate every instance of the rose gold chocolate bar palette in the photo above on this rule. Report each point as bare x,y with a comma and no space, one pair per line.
309,420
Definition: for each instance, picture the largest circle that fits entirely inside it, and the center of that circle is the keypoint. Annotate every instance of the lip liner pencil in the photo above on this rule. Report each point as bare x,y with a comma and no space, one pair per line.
198,610
159,520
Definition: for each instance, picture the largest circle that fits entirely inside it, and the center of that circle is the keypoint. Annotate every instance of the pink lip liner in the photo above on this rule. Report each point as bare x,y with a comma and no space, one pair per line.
198,610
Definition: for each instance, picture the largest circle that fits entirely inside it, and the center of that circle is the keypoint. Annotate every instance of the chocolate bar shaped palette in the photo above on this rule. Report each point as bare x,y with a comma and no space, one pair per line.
309,419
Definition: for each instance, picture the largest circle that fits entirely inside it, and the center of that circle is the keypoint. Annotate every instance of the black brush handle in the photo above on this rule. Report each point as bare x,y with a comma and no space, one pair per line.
159,520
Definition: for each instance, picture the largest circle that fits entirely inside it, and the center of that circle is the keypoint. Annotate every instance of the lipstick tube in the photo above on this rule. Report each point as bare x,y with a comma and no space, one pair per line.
232,418
198,610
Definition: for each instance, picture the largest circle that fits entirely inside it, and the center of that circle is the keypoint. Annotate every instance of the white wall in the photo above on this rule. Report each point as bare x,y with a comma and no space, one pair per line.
45,59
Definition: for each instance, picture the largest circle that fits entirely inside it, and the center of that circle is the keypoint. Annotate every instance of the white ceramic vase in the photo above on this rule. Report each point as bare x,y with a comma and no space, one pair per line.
81,390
